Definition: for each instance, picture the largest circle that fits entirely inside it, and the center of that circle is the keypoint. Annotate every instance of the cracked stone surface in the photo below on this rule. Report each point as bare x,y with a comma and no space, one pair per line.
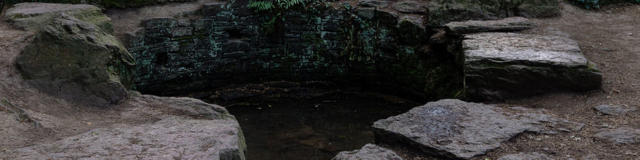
368,152
461,130
512,65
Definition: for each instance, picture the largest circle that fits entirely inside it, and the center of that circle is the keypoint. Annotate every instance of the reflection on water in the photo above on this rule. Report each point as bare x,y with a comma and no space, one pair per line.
312,129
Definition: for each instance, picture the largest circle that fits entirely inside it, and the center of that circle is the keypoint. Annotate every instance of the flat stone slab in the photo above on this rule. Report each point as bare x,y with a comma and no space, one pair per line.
614,110
622,135
510,24
513,65
368,152
460,130
526,156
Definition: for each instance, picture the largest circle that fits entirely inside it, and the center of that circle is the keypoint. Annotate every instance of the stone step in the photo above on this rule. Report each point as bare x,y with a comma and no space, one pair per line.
512,65
454,129
510,24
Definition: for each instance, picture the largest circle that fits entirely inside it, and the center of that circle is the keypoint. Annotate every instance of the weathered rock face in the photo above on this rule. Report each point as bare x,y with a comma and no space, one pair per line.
368,152
503,25
511,65
74,59
34,16
623,135
229,43
460,130
526,156
192,130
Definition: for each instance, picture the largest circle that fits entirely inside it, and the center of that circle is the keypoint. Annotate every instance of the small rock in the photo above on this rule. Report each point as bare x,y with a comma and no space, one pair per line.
623,135
614,110
368,152
526,156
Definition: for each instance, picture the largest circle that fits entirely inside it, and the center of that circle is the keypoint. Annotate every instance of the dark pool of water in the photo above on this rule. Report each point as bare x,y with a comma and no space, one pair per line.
313,129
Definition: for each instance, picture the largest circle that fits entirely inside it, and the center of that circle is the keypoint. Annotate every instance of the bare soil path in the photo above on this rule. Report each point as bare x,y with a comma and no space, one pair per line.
611,39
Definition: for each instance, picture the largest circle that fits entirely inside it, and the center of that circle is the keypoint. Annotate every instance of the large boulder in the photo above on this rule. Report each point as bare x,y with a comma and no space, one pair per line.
368,152
511,65
75,59
185,128
34,16
460,130
170,138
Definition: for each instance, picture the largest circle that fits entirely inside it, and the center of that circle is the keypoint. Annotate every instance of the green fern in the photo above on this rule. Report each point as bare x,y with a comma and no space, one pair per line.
275,5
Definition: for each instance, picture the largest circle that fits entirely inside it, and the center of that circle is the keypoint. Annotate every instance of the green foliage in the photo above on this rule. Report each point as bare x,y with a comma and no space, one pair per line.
595,4
277,9
275,5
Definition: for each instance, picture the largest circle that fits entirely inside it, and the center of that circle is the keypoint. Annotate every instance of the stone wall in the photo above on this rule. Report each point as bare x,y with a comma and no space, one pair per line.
228,43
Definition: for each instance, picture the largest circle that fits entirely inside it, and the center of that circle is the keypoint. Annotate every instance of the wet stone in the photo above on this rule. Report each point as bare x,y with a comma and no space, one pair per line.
512,65
504,25
368,152
460,130
614,110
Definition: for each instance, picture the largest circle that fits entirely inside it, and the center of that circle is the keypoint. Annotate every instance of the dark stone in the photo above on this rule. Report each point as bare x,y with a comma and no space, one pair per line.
374,3
410,6
77,61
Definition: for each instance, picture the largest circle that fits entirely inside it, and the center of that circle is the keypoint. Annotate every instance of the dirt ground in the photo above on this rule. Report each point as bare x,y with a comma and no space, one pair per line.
609,38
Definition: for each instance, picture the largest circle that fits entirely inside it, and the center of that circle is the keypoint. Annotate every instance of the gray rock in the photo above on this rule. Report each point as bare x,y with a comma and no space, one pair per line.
511,65
170,138
620,135
526,156
77,61
504,25
368,152
33,16
374,3
461,130
180,128
410,6
615,110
